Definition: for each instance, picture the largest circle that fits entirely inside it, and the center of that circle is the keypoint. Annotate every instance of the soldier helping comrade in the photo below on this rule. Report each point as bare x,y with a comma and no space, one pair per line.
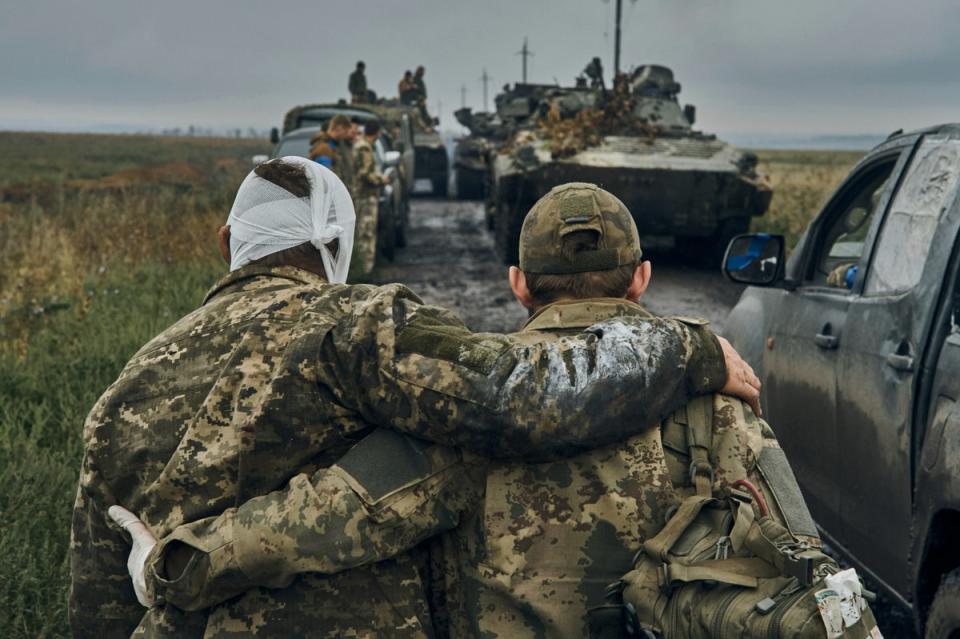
284,367
537,545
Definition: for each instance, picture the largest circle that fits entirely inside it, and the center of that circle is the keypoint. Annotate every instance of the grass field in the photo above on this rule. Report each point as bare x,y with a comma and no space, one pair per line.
104,241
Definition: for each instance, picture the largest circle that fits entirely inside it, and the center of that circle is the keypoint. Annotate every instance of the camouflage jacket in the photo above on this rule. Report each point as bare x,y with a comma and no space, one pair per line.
340,154
367,182
278,373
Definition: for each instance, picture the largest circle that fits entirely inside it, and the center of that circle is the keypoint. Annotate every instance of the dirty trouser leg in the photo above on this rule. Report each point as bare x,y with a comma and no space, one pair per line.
365,242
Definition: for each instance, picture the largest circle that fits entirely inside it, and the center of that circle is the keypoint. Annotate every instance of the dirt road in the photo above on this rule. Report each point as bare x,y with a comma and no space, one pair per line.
450,261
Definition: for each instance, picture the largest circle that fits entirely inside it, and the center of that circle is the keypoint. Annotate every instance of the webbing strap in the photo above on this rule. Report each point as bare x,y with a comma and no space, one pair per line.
699,442
741,525
738,571
658,546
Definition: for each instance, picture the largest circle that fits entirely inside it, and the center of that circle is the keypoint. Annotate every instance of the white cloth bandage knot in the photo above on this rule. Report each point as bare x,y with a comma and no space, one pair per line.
266,219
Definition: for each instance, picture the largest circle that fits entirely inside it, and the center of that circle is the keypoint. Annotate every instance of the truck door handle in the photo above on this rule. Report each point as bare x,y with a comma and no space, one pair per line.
900,362
826,341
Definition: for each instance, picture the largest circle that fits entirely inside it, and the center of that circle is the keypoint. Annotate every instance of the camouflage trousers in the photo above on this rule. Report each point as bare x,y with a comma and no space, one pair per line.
365,236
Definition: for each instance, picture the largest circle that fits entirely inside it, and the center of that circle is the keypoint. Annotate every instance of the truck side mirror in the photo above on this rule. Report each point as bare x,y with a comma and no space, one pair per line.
756,259
274,135
690,112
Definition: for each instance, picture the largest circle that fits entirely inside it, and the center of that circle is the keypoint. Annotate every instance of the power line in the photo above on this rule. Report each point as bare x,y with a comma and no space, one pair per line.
525,52
485,78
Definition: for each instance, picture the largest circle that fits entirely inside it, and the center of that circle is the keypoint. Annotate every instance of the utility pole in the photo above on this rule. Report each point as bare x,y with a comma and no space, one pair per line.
616,41
485,78
525,52
463,96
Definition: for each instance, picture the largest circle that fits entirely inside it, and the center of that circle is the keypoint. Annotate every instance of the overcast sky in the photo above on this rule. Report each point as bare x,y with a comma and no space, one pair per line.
750,66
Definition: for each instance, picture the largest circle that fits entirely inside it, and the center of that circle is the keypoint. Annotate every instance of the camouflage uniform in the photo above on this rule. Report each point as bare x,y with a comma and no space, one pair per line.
367,185
276,376
339,152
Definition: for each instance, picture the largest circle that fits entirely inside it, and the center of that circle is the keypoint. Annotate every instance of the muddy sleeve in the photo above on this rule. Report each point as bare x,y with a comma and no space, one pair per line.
419,370
389,493
102,602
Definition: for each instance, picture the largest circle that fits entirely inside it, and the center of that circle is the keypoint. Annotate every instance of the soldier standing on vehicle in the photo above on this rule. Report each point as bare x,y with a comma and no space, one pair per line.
358,84
332,148
420,89
367,186
284,367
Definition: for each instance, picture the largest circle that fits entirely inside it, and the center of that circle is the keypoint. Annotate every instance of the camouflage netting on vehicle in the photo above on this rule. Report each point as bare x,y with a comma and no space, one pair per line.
566,135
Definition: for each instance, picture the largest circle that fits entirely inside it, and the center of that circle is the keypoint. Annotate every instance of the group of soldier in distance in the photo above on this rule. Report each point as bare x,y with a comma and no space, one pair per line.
306,457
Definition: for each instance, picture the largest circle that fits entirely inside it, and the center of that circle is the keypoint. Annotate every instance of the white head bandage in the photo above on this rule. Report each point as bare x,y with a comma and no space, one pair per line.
267,218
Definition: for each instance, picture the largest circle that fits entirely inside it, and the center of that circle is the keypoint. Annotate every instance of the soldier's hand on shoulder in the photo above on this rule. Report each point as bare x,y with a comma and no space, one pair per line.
742,382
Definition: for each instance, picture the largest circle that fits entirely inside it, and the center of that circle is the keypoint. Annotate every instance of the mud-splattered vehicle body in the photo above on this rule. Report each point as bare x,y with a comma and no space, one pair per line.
857,342
683,186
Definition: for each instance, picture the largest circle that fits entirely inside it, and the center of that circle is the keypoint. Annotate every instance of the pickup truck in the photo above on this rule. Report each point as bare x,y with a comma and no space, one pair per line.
856,339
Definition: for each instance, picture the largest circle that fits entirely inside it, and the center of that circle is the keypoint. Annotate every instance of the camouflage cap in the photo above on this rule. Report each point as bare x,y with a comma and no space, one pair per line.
578,206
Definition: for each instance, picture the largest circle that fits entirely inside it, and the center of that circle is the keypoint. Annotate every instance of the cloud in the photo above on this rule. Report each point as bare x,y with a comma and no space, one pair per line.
817,66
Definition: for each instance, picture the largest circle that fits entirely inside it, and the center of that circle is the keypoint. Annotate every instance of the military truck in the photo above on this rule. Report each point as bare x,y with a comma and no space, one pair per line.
432,162
683,186
856,339
397,126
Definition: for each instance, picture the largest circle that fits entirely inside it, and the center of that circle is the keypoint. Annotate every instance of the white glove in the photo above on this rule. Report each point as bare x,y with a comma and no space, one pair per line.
143,543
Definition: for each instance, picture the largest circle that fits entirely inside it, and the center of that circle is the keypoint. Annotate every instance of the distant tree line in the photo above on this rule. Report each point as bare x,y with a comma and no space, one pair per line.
211,132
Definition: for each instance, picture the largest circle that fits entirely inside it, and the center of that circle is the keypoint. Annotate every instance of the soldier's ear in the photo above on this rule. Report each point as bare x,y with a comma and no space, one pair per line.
641,280
223,240
518,284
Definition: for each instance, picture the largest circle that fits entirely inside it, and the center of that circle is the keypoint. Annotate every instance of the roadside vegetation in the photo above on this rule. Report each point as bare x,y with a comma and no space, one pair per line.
802,181
104,241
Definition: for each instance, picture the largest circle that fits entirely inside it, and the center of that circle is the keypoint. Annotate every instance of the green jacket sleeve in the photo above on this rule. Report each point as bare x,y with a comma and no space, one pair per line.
388,493
101,601
418,369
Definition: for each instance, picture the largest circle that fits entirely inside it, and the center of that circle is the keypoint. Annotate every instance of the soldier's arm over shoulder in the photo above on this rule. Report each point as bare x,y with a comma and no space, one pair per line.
419,369
386,495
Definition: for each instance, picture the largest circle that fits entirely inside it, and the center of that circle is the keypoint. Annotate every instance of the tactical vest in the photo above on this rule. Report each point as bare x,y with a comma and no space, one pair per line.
739,555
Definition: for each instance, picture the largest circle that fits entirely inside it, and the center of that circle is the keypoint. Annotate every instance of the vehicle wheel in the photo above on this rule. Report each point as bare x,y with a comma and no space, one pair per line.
440,186
401,224
469,185
943,621
386,233
507,231
707,252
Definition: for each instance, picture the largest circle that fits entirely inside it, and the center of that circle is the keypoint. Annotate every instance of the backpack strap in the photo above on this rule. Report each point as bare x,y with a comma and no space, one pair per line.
699,442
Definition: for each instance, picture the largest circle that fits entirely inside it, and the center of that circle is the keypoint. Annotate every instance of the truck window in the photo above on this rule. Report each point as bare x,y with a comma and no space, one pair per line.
928,188
846,229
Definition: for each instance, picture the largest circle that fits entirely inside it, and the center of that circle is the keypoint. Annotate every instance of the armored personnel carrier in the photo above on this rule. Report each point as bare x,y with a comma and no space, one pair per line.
471,155
685,188
432,162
